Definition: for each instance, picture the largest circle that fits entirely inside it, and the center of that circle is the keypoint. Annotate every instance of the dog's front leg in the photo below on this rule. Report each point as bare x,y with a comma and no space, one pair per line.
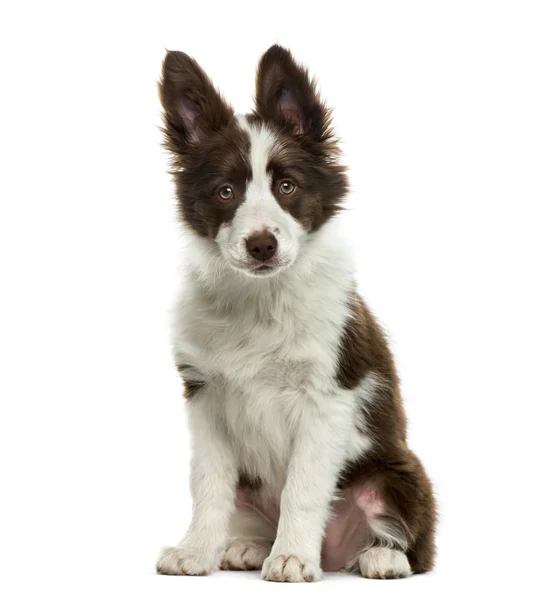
213,486
317,456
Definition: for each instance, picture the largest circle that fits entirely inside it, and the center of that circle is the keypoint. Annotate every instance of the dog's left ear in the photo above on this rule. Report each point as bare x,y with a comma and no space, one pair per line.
287,96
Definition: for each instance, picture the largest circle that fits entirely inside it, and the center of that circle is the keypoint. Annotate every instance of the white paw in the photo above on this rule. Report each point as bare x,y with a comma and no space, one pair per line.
184,560
384,563
245,554
287,567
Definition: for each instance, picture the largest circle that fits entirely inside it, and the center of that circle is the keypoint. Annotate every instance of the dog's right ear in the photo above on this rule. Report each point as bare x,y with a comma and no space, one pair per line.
193,109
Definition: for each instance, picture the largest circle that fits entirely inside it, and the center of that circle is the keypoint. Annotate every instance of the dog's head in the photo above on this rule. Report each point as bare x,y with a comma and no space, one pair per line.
257,184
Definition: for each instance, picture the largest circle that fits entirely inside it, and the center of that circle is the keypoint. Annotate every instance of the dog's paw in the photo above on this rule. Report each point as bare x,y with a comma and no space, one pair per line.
183,560
245,555
383,563
288,567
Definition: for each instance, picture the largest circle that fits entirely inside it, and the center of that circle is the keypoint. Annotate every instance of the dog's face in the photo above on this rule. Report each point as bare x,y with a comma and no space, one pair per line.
259,184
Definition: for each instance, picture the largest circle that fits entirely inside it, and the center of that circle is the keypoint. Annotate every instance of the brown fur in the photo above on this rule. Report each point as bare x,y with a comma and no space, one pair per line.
286,97
191,387
363,348
208,148
246,481
321,184
389,466
287,100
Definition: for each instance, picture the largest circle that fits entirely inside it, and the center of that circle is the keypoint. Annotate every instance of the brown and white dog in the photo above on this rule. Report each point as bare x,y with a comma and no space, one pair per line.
299,455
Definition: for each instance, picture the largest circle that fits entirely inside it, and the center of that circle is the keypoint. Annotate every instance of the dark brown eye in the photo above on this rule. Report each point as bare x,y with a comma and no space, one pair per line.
287,188
226,193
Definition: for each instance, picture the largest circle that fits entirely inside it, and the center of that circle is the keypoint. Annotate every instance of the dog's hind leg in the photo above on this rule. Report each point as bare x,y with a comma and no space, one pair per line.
398,503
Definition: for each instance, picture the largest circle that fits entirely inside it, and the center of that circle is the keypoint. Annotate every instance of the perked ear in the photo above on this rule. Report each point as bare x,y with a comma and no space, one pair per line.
193,107
286,95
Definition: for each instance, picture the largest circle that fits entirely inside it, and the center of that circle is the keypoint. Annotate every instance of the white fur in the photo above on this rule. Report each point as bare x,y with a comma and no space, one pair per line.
213,469
246,554
384,563
268,350
260,211
390,533
292,568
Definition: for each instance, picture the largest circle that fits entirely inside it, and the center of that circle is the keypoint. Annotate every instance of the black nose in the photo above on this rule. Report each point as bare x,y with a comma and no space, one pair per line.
262,246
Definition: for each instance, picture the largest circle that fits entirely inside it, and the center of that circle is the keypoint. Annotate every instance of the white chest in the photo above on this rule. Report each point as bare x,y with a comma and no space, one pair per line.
267,355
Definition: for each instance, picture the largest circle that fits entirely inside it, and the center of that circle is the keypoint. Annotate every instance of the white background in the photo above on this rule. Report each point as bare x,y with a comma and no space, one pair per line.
443,109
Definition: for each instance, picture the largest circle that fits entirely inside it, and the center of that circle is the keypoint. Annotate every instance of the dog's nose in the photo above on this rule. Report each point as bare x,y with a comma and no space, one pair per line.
262,245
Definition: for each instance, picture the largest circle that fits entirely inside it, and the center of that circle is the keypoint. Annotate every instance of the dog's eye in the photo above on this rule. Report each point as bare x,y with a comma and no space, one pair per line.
226,193
287,187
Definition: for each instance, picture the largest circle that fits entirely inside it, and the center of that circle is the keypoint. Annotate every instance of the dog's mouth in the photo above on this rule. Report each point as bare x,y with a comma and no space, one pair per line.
263,269
259,270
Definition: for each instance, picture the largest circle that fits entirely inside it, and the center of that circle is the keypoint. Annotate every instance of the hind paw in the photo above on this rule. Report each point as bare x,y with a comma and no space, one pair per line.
383,563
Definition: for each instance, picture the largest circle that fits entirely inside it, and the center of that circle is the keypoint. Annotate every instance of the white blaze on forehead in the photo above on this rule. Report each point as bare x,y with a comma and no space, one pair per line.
259,210
263,143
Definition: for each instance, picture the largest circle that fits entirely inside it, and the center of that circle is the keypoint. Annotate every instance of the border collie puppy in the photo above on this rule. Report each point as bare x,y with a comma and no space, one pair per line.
299,454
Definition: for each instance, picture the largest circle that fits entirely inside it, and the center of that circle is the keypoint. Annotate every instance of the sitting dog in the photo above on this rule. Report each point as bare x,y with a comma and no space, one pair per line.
299,454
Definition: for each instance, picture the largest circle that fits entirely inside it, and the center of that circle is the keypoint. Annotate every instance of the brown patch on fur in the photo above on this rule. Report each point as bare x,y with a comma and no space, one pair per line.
208,148
363,348
321,185
389,465
307,152
224,161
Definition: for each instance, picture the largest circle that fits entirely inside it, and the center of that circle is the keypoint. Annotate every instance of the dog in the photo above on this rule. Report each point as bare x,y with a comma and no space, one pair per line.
299,455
